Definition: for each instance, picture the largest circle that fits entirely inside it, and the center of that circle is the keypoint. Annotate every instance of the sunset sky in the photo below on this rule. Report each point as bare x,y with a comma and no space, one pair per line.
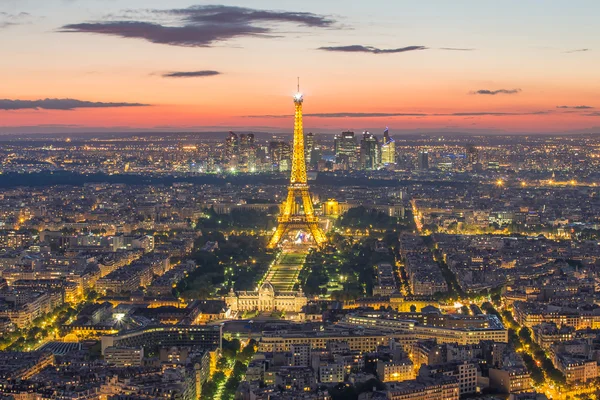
428,65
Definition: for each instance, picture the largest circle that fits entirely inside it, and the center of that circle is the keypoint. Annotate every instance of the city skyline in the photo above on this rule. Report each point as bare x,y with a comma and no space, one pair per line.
93,66
318,200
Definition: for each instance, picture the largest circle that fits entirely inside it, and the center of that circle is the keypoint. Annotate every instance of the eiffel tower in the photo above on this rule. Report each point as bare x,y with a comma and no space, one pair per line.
292,218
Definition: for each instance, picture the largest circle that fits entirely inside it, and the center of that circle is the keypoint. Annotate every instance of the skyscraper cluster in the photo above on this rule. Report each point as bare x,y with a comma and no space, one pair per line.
240,152
368,154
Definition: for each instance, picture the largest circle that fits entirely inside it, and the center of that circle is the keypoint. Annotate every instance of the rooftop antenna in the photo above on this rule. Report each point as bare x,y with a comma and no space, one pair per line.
298,84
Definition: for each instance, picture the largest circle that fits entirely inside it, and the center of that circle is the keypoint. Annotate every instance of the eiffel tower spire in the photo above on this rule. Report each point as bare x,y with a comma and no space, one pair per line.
298,192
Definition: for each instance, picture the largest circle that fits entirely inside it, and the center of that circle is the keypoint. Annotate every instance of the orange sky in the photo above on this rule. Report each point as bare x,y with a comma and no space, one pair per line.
534,60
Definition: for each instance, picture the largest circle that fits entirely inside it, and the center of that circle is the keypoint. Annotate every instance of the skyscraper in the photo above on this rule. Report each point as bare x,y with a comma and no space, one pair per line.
388,149
280,154
247,153
370,152
310,145
232,144
472,155
423,160
232,150
345,148
246,141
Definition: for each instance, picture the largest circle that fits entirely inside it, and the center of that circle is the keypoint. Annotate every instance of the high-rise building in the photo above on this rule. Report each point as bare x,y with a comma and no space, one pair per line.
370,152
247,153
246,143
281,155
310,145
472,155
388,149
262,158
315,156
423,160
232,150
345,148
231,145
251,162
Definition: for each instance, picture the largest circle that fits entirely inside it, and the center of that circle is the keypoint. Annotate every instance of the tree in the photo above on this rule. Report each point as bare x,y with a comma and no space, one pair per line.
556,376
496,298
513,339
239,369
537,375
92,295
343,392
489,309
525,335
232,345
539,355
209,388
219,377
509,317
246,354
231,387
362,218
222,363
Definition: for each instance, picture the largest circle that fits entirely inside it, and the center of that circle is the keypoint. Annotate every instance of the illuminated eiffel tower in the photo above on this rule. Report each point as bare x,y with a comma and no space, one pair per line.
292,218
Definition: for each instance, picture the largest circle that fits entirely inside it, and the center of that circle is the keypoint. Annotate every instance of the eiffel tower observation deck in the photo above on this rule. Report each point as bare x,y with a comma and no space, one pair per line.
298,213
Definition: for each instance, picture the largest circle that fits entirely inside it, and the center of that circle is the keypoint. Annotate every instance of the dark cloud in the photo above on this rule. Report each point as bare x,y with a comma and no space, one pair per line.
576,107
456,49
593,114
59,104
8,19
191,74
576,51
357,48
189,35
387,114
200,26
498,91
220,14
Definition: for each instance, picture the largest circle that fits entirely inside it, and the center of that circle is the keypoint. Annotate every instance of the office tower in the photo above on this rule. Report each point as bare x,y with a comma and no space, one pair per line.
243,153
423,160
231,145
292,216
232,151
388,149
315,156
263,158
345,148
370,152
280,154
243,142
246,152
310,146
246,143
251,162
472,155
313,151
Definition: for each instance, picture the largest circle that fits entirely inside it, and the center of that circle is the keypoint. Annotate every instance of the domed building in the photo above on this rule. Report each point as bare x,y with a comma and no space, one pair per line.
266,299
